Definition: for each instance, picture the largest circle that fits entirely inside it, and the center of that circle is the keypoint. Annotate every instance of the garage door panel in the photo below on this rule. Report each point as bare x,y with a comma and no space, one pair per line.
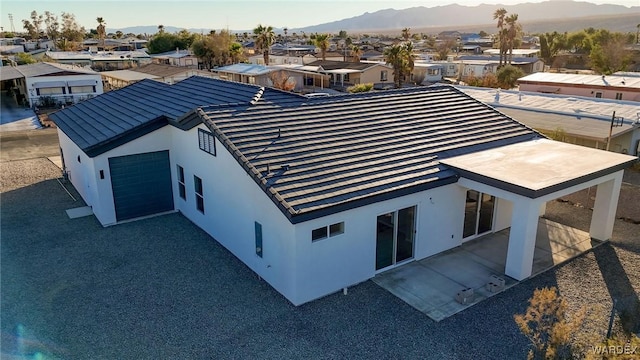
141,184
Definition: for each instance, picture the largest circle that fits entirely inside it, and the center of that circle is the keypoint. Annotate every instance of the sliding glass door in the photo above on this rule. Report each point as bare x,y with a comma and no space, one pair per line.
478,214
395,237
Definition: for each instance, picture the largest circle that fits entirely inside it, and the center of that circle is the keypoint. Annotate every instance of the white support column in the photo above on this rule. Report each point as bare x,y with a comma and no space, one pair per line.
604,210
522,238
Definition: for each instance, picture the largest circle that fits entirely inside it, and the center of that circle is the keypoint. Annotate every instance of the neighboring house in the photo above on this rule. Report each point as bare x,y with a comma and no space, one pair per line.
171,74
532,53
316,195
183,58
101,60
117,79
280,58
528,65
45,84
343,74
576,120
597,86
429,72
260,75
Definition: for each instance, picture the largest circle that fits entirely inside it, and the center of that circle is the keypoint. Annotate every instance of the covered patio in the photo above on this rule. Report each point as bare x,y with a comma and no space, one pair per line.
431,285
524,176
507,240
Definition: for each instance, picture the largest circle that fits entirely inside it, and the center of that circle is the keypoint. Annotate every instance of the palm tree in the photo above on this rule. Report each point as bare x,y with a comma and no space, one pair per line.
322,42
500,15
512,32
406,34
265,37
400,57
101,30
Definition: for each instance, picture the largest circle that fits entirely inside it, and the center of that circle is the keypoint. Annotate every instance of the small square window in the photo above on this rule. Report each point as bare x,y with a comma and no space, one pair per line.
319,233
336,229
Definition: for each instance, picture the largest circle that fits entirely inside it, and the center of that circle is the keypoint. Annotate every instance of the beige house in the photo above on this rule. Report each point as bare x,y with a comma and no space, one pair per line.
344,74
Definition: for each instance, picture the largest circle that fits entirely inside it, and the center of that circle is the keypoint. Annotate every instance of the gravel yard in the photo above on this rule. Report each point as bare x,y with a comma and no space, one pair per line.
161,288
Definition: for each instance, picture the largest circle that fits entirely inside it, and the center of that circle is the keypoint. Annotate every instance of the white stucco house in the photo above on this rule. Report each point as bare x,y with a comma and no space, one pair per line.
318,194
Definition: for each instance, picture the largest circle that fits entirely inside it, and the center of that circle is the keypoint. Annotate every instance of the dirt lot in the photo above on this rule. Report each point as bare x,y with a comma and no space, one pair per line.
628,202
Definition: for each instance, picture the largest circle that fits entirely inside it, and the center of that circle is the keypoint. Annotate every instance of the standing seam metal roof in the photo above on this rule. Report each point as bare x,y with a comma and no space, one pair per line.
335,151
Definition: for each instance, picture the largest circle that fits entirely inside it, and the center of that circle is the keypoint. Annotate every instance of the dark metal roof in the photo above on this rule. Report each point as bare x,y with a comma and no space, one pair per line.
335,153
102,123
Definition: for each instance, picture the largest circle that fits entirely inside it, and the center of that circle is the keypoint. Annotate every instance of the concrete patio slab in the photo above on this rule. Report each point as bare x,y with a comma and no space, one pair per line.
430,285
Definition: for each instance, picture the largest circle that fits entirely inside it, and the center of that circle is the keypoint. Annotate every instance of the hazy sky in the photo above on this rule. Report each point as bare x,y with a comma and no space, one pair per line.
219,14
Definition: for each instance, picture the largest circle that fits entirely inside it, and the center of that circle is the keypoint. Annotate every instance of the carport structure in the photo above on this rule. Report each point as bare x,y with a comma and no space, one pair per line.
529,174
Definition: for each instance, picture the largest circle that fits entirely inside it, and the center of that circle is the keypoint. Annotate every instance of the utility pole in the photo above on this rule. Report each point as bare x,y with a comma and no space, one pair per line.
13,28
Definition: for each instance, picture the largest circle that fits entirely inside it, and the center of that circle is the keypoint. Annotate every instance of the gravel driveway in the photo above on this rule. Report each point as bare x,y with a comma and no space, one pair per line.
161,288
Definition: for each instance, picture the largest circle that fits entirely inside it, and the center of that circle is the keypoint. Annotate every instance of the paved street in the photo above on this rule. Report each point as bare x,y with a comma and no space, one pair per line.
15,117
28,144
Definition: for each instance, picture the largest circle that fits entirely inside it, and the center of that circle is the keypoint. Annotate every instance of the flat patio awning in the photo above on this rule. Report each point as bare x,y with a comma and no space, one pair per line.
538,167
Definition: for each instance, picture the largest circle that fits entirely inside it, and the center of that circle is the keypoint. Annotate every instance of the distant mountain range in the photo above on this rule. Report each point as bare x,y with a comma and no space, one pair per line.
457,17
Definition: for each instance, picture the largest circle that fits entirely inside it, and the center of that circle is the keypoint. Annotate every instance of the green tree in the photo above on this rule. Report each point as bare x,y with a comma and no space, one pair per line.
217,49
264,38
36,20
71,30
51,26
24,58
322,42
164,41
508,76
609,57
31,30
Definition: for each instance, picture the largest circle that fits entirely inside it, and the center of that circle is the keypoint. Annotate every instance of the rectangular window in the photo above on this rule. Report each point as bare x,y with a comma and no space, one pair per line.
383,75
618,96
326,231
181,187
258,228
50,91
598,94
82,89
336,229
206,142
197,182
319,233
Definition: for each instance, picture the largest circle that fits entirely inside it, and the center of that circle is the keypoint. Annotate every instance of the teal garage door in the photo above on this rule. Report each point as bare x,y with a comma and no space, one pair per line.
141,184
